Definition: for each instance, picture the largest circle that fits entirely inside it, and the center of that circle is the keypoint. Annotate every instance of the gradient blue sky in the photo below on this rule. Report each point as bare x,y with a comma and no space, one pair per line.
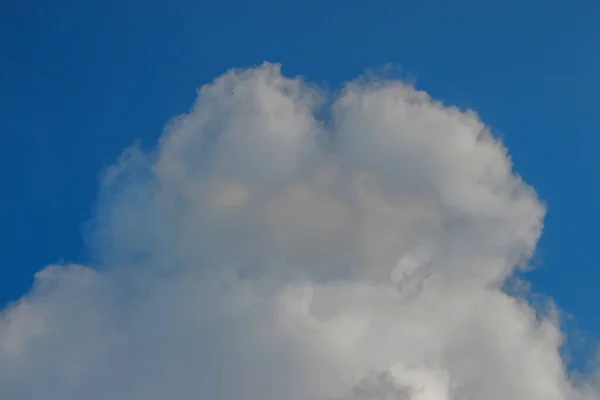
80,81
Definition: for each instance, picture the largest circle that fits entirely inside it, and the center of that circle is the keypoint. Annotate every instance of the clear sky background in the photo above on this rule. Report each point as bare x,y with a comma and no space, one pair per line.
80,81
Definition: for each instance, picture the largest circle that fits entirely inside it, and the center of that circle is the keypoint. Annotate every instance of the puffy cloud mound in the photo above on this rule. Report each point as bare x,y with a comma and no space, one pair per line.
281,245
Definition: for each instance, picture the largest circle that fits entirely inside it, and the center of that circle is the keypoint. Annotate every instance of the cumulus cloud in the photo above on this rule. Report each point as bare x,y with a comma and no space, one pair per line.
260,252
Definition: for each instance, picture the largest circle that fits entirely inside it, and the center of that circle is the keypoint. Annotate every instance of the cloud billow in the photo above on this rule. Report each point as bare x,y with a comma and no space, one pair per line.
261,253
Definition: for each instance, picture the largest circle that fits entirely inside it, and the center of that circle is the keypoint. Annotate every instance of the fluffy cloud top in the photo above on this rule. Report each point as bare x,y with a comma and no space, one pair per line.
262,253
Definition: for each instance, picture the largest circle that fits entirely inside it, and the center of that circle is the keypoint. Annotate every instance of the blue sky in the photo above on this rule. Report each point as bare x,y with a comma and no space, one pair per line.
80,81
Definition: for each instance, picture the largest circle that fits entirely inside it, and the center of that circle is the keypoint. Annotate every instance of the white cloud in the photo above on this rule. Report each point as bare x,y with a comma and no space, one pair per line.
260,253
